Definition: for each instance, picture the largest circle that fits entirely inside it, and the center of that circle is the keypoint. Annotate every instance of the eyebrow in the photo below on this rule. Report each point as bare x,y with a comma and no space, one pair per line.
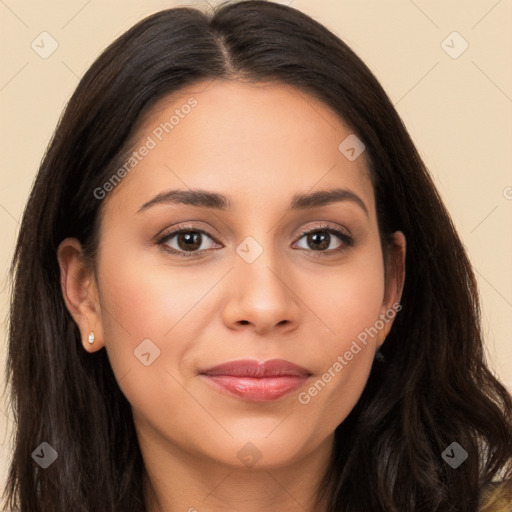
205,199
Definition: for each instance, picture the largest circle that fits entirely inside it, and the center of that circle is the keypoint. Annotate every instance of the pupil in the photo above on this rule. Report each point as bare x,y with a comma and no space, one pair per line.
324,243
192,236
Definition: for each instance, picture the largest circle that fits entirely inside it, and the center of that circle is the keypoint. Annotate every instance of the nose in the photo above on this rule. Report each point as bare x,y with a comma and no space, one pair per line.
261,296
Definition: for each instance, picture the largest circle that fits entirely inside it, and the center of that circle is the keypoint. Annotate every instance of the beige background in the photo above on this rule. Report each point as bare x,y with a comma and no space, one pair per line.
458,111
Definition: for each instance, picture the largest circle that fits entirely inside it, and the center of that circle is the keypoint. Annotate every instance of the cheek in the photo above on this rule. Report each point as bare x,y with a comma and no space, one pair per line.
147,299
332,395
148,309
347,299
349,302
161,304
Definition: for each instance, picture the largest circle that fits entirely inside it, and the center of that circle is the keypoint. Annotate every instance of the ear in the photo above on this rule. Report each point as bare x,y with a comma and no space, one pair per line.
80,292
395,278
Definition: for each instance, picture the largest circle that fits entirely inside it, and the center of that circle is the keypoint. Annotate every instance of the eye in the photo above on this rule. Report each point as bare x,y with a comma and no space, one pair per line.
189,241
320,239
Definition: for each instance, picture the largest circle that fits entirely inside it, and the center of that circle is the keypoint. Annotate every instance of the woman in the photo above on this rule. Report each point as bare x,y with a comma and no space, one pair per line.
233,210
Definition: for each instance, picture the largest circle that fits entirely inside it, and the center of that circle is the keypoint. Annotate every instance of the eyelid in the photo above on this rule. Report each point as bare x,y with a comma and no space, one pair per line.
170,233
325,227
342,233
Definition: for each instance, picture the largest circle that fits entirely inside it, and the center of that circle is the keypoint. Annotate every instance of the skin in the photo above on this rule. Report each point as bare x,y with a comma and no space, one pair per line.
258,144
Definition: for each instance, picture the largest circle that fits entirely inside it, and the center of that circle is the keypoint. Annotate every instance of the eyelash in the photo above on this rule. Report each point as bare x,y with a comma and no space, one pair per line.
346,239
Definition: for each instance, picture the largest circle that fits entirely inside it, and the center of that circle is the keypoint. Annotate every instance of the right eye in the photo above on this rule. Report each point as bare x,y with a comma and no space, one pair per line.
189,241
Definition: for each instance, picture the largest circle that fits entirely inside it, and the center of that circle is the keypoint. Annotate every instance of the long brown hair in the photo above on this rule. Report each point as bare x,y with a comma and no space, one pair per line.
432,386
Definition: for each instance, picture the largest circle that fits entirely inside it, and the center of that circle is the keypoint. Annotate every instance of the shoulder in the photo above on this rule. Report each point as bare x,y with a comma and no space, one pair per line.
496,497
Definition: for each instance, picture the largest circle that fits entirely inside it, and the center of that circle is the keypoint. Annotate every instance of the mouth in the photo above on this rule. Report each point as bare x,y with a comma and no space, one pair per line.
258,381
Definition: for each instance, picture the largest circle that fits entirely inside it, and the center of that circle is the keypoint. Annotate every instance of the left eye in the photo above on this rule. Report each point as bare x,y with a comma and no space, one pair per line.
322,239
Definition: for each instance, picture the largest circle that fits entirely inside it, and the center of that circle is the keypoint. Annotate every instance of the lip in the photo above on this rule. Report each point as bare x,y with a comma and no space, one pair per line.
256,369
258,381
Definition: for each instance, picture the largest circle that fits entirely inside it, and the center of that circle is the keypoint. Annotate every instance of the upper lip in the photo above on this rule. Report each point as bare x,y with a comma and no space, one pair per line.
254,368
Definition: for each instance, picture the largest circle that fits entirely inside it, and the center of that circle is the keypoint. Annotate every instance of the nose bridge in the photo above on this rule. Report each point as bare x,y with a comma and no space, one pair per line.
260,266
263,293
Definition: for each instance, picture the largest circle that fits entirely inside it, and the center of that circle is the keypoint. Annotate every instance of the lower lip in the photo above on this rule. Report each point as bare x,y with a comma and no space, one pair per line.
263,389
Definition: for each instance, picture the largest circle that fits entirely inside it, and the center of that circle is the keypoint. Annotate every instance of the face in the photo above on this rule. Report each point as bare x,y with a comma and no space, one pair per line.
185,283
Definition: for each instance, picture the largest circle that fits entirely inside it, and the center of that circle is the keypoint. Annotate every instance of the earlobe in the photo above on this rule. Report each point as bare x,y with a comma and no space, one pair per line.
79,292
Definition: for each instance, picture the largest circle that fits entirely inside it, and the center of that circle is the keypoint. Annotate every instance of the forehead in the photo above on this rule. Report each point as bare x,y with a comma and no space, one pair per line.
254,139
